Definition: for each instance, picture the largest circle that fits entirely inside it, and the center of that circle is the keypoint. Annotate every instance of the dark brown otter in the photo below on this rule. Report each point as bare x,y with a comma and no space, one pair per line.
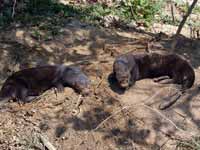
165,68
26,84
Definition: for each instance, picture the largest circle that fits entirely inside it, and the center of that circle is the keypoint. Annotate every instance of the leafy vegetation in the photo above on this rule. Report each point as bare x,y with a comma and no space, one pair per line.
33,11
167,19
140,10
50,15
29,11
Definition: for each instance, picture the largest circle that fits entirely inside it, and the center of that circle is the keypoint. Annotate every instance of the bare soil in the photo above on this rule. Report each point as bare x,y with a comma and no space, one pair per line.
107,119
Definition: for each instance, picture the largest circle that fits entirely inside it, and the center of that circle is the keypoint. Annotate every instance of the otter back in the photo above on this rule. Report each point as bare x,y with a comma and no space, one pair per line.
151,65
33,81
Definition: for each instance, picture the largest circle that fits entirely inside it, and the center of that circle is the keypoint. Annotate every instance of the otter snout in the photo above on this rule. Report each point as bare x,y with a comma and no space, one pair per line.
124,84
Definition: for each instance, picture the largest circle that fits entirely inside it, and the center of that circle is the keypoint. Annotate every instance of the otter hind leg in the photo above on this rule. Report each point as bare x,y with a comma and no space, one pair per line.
22,94
166,81
59,88
30,98
161,78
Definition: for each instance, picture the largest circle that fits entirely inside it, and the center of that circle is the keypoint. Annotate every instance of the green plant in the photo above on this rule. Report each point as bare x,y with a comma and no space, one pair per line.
140,10
33,11
167,19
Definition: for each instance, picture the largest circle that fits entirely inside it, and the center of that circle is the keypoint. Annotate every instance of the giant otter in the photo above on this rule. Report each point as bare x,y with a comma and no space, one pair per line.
164,68
26,84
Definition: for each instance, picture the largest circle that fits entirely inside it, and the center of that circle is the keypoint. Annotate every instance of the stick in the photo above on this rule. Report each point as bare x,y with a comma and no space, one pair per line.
132,105
185,17
79,101
46,143
163,116
13,9
144,105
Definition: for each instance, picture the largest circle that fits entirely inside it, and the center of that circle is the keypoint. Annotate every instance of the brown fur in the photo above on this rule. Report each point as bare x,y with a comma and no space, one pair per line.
130,67
31,82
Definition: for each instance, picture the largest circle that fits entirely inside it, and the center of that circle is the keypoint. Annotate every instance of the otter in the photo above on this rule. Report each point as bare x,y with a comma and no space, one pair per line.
163,68
27,84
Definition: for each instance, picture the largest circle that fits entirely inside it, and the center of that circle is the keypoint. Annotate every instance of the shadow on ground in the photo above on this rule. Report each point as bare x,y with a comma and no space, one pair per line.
95,48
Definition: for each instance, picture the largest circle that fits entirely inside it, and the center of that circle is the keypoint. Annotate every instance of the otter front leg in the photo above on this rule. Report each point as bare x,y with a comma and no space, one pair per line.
22,94
59,87
25,95
166,81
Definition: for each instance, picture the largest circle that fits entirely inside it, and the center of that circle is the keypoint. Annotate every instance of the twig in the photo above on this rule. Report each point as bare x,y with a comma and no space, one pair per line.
175,40
172,11
46,143
185,17
163,116
144,105
180,114
100,82
98,85
13,9
164,143
132,12
79,101
126,107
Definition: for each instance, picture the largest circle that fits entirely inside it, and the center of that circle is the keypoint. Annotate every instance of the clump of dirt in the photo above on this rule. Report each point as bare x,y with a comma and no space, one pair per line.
109,118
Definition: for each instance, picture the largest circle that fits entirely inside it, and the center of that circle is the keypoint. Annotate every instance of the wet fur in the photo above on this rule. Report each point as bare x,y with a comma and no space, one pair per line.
29,83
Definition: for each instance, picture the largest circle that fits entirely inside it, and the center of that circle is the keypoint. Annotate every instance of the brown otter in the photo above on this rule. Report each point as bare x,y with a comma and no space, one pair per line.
164,68
26,84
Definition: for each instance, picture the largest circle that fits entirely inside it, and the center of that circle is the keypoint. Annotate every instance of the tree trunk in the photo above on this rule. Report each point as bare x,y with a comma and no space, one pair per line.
175,40
172,11
185,17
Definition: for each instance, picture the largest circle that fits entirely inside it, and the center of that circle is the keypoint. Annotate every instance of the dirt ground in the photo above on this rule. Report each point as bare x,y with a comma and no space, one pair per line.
107,119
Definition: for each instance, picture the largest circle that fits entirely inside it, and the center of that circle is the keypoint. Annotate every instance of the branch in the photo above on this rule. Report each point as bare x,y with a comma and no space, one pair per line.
172,11
13,9
46,143
150,108
129,106
186,16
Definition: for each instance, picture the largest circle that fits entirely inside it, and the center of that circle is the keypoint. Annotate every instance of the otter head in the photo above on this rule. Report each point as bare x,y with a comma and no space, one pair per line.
82,84
122,72
75,78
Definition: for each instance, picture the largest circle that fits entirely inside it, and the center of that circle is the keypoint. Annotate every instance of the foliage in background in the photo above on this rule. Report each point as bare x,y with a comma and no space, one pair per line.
27,10
49,15
139,10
